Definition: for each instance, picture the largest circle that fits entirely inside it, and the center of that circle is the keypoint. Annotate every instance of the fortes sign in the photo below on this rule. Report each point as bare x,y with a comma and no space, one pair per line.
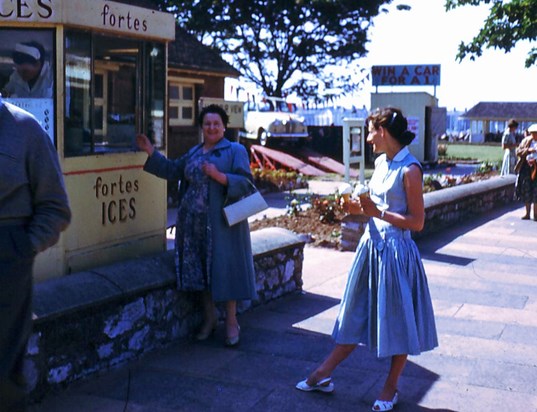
94,14
406,75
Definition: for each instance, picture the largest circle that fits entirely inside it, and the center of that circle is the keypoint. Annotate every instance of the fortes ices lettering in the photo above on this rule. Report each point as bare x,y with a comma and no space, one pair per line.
121,21
26,9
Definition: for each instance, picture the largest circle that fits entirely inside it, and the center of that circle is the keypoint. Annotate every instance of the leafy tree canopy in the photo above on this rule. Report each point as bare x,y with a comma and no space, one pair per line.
508,22
282,46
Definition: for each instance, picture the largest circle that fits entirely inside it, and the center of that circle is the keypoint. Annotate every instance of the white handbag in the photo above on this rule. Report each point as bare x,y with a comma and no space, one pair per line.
245,207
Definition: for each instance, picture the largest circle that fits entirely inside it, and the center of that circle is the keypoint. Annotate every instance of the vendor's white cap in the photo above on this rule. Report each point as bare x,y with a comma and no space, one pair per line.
29,50
533,128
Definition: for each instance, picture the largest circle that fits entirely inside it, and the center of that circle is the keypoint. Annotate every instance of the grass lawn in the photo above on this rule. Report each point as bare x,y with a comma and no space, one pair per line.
482,153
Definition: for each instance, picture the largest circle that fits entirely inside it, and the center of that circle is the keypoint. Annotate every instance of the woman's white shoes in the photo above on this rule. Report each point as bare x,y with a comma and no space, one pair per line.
385,405
232,341
324,385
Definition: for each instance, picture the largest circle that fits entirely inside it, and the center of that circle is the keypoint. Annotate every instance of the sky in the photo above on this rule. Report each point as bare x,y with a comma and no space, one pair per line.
427,34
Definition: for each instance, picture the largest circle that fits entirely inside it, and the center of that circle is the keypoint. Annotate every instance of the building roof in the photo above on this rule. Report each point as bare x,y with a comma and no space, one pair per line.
187,53
521,111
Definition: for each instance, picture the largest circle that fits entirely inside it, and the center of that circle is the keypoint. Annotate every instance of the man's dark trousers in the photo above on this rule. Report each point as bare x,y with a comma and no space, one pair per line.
16,261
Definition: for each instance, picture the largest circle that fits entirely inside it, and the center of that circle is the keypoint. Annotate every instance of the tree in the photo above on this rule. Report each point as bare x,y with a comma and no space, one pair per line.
284,45
507,23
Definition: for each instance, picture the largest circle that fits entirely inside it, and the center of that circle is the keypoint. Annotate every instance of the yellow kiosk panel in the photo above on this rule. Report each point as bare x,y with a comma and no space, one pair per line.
106,76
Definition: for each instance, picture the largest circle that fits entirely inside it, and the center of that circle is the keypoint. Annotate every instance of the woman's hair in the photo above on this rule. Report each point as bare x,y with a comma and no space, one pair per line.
392,119
213,108
512,123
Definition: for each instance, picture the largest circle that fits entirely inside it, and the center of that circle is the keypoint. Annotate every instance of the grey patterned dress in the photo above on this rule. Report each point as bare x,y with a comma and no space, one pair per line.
193,238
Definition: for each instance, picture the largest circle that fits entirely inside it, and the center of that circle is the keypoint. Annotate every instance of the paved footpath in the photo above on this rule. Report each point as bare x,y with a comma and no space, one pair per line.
483,279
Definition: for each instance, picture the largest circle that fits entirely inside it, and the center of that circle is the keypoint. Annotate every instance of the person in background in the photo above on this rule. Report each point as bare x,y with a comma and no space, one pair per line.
526,169
386,305
211,257
33,76
33,211
509,145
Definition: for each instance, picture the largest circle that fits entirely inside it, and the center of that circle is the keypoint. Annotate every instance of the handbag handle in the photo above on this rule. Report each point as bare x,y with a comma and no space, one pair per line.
252,186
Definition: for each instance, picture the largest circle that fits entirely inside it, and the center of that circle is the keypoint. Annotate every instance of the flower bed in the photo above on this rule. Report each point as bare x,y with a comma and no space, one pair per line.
439,181
322,223
278,180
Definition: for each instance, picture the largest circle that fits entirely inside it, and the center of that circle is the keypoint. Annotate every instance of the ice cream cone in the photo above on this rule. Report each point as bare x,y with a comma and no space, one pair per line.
345,191
361,190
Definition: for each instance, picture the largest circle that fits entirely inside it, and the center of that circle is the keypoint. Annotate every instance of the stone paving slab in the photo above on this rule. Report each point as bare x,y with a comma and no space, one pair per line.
478,297
490,280
484,287
485,330
520,334
508,316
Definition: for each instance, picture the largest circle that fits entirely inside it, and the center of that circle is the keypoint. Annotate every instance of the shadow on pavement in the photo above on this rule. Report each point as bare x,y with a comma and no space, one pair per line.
428,245
295,331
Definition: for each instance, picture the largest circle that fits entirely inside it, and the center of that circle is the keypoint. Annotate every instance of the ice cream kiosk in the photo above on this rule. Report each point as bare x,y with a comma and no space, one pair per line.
93,72
425,118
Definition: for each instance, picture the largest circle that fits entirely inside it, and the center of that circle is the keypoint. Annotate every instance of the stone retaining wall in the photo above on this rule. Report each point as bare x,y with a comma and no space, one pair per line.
444,207
90,321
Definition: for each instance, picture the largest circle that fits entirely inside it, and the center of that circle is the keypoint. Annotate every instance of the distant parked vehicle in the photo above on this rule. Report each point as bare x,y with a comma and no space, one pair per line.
273,120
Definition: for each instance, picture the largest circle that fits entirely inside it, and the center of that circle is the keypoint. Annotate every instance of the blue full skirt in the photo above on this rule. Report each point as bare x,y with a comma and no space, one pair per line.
386,305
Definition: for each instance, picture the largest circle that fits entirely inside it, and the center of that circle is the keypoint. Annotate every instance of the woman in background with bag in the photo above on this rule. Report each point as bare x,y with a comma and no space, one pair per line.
211,256
526,169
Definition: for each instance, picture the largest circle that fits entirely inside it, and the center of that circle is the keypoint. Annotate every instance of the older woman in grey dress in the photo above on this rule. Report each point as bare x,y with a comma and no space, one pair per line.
386,305
211,257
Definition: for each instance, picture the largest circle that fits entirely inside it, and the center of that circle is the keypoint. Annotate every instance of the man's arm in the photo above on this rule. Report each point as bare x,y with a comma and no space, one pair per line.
51,212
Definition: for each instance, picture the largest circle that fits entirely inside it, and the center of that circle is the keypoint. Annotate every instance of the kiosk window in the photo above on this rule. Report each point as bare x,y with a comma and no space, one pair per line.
27,72
114,90
181,104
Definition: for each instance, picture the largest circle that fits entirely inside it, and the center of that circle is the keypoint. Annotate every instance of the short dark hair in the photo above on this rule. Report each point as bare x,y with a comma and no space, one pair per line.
213,108
512,123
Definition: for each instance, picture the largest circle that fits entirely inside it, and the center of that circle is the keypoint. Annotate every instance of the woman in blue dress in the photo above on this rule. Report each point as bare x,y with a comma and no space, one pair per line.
386,305
211,257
